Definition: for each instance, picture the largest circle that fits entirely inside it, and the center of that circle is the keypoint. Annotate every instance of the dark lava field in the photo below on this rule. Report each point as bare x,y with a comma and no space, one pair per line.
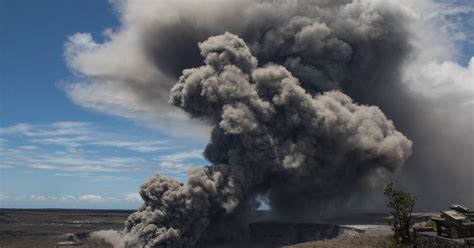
48,227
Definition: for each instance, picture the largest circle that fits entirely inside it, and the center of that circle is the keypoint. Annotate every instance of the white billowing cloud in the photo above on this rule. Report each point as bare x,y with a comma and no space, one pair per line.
113,69
439,75
440,80
91,198
89,58
433,71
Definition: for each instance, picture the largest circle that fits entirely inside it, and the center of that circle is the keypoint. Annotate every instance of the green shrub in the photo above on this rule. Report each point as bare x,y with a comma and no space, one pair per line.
401,205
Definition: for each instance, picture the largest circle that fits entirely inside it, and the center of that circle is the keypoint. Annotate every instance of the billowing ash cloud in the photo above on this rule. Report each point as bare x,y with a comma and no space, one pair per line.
281,105
394,54
175,215
270,136
326,44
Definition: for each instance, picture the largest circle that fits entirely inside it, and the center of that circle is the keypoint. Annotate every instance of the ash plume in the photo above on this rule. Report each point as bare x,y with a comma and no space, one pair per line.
270,136
289,107
175,215
396,54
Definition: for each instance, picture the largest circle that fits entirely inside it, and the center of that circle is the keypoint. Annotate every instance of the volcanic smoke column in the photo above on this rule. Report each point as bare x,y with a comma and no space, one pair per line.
270,136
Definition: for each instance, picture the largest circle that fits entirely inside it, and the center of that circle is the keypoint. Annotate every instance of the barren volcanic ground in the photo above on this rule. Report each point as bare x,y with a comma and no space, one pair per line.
49,227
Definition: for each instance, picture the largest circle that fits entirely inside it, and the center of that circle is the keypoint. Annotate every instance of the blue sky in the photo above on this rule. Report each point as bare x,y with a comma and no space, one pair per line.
63,148
54,153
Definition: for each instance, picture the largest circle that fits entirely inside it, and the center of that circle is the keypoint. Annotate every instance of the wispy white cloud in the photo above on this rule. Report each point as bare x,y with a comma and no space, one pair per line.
454,19
43,198
82,147
68,198
54,129
20,128
4,197
71,199
77,134
28,147
91,198
138,146
108,178
53,198
63,141
181,156
133,197
71,162
179,162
